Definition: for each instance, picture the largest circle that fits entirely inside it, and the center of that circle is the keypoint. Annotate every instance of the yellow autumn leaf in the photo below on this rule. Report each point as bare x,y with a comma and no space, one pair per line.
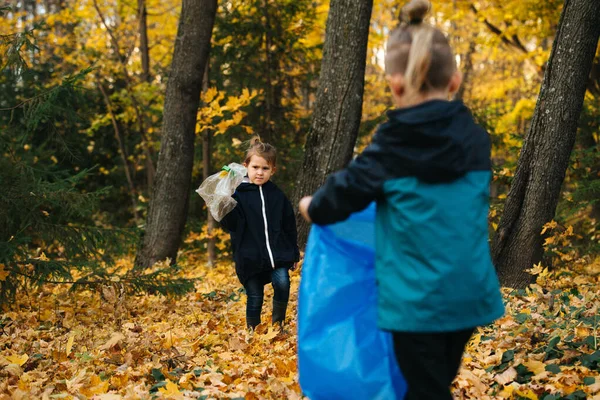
3,272
209,95
248,129
233,103
170,390
527,393
537,269
549,226
583,331
271,333
507,392
19,360
223,126
70,344
245,95
96,387
537,367
237,117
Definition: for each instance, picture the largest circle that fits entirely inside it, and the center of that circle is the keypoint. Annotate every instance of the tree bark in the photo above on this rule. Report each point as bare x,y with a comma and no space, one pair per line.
169,202
338,106
544,158
466,71
142,16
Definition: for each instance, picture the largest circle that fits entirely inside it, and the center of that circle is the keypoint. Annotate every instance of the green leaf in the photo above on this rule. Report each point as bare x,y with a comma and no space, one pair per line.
554,368
578,395
508,355
158,385
551,397
521,317
589,380
523,374
157,375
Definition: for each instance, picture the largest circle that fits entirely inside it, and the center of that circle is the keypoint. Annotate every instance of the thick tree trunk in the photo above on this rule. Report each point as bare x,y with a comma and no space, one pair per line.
169,202
338,106
544,157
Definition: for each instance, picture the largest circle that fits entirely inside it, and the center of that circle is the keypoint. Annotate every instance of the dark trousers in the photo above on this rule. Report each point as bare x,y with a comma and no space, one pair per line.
280,279
430,362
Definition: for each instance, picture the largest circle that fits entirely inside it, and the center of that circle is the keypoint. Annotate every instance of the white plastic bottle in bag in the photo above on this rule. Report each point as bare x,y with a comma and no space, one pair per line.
216,190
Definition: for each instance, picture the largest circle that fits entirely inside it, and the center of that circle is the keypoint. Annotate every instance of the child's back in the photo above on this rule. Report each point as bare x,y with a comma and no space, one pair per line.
429,170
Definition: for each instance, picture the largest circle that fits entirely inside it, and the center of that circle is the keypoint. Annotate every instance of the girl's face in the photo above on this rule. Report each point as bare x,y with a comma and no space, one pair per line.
259,170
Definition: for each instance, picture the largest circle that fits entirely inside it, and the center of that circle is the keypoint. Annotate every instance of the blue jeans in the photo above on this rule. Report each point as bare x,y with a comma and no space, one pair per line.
280,279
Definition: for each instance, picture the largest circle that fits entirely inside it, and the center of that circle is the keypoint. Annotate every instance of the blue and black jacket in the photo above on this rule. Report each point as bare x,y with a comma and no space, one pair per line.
429,170
263,231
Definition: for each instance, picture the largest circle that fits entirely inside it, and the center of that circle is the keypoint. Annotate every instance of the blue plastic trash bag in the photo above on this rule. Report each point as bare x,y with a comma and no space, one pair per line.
341,353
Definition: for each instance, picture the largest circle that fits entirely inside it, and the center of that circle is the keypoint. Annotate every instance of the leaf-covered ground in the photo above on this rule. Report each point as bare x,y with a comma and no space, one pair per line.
103,345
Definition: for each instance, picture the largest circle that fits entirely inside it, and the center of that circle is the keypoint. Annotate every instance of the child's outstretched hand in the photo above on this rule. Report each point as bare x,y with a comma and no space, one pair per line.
303,207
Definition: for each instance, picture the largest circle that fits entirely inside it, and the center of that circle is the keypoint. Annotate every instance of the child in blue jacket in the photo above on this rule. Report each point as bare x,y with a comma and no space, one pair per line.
263,235
428,168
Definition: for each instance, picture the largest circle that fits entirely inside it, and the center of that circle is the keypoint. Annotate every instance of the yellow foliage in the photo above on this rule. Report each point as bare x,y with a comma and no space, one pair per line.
19,360
170,391
3,272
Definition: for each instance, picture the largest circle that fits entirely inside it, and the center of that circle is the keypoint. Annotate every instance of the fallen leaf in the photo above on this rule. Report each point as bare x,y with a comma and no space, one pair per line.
171,391
70,343
19,360
506,377
116,338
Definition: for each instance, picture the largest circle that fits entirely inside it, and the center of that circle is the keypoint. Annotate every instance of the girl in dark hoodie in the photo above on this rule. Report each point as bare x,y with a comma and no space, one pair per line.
263,235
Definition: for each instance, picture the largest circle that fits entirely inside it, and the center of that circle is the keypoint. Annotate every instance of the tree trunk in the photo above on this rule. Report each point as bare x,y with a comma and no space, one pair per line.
142,16
206,169
338,106
466,70
544,158
122,151
169,202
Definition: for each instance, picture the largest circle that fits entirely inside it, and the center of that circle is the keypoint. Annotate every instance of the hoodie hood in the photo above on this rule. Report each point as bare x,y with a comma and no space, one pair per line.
435,141
247,186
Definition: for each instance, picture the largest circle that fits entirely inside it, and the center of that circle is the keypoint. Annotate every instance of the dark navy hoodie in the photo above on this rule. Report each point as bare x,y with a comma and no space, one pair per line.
262,212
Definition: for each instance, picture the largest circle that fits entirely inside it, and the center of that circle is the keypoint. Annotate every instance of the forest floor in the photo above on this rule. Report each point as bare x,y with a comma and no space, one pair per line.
55,344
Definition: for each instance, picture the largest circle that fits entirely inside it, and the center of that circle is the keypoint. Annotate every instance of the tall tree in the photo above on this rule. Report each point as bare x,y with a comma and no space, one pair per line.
167,212
544,158
143,28
338,106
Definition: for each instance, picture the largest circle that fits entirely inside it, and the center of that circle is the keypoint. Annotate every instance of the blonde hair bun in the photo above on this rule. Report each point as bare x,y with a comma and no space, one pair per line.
415,11
255,140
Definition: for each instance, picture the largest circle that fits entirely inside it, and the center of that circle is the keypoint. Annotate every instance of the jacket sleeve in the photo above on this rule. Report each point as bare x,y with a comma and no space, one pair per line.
230,221
351,189
289,227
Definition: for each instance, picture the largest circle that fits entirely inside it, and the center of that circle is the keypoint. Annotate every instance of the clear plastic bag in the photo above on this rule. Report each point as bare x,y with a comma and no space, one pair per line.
216,190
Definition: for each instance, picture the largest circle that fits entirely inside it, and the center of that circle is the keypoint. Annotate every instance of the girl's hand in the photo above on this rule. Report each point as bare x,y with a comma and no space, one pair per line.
303,207
294,266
